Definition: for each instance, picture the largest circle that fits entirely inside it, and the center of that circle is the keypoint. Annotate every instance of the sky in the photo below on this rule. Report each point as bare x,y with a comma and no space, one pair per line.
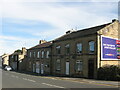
24,22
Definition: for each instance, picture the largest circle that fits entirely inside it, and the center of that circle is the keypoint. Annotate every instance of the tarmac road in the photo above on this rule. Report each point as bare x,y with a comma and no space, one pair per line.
12,79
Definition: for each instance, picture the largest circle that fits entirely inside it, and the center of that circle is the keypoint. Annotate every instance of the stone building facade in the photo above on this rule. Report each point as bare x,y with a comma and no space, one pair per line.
39,58
5,60
16,59
78,53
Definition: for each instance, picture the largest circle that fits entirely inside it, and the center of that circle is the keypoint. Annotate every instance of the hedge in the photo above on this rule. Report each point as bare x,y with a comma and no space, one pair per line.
109,72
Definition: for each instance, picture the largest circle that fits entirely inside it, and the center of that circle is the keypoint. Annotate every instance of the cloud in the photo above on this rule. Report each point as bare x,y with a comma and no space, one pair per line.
11,43
61,16
60,1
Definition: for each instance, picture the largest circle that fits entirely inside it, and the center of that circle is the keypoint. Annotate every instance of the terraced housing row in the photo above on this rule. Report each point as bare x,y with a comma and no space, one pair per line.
77,53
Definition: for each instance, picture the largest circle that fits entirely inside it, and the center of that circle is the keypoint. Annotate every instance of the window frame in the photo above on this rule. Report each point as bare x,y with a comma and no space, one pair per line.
79,66
30,54
77,50
58,49
58,65
47,54
34,54
38,54
90,50
42,53
67,48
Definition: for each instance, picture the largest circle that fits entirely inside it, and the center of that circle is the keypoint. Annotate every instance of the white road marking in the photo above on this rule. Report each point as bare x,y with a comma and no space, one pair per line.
52,85
53,79
14,76
28,80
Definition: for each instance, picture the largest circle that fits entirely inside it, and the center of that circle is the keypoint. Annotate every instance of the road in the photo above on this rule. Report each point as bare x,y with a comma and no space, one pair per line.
12,79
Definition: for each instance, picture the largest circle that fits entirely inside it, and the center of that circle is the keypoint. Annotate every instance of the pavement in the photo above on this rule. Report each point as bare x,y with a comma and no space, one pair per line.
12,79
84,80
92,81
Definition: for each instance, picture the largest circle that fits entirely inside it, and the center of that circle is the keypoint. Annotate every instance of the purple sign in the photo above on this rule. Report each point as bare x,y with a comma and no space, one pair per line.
109,48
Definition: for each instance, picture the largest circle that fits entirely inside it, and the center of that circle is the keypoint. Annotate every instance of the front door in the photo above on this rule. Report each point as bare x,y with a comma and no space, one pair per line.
91,69
67,68
42,68
33,67
37,67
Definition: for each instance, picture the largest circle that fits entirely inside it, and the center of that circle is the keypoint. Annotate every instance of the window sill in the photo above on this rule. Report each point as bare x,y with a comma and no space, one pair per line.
91,53
57,70
79,53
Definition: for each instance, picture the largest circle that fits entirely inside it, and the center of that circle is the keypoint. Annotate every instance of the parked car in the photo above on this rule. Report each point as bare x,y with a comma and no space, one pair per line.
8,68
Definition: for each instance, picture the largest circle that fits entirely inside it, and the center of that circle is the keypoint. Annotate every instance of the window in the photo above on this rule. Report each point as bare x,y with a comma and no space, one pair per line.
12,56
79,65
47,54
34,54
38,54
67,49
29,65
58,49
58,64
79,48
16,57
30,54
91,46
42,54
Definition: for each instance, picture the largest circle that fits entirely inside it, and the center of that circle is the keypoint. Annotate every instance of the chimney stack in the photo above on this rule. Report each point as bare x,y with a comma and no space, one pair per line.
114,20
24,50
42,41
70,31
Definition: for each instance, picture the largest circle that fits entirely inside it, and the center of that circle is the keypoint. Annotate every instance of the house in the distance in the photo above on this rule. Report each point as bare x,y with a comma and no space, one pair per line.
5,58
16,59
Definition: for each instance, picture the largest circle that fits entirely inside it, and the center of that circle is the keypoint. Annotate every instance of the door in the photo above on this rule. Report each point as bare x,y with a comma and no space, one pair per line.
67,68
33,67
42,69
91,69
37,67
14,65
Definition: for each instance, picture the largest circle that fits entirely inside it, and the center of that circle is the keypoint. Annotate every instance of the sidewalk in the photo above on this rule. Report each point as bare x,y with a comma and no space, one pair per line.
81,80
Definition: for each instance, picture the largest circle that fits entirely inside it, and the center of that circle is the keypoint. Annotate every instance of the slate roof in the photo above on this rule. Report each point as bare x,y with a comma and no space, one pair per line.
80,33
44,45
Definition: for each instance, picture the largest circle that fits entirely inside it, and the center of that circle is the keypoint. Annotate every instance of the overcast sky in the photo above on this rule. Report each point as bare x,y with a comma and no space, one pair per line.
25,22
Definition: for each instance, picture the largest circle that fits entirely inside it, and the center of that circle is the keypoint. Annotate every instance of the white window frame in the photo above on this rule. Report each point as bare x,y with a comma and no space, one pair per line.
67,46
47,54
79,44
80,67
30,54
38,54
58,65
92,46
58,47
42,54
34,54
12,56
16,57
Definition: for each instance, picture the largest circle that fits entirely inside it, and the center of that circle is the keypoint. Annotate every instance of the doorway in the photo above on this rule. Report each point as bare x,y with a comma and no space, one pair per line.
37,67
42,68
33,67
91,69
67,68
